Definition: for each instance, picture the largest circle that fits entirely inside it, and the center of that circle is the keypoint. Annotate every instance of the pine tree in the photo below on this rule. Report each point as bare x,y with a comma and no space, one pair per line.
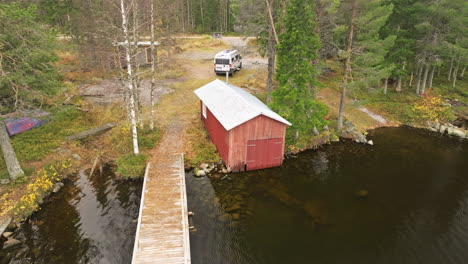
294,98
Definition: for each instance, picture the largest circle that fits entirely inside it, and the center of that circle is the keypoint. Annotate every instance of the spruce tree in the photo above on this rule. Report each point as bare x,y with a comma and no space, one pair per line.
294,99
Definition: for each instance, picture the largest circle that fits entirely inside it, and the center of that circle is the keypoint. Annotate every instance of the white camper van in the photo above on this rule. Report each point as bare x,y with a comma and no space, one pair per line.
227,61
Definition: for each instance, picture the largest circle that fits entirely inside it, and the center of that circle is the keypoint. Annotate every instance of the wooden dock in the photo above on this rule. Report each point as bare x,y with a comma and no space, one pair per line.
163,231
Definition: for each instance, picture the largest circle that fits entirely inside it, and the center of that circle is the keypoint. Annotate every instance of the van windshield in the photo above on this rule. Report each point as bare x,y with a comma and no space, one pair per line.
222,61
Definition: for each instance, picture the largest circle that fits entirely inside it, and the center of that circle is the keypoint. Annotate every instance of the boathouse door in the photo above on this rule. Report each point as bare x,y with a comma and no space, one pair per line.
264,153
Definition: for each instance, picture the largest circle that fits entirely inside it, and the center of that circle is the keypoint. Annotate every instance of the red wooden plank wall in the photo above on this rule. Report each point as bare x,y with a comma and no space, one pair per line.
218,135
261,127
264,153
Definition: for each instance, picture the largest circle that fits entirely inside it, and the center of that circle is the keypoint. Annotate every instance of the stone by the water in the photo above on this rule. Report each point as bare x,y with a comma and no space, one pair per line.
370,142
200,173
11,242
7,234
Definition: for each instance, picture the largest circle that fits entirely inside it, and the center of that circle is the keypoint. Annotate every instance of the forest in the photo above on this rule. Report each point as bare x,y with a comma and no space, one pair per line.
384,46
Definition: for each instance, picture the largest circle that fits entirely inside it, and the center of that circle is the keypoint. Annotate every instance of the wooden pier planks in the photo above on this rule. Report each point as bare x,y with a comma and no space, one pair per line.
163,230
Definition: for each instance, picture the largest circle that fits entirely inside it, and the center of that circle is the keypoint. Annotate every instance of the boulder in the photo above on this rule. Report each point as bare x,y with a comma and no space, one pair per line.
233,208
11,242
57,187
5,181
200,173
370,142
7,234
316,132
235,216
361,193
458,133
442,129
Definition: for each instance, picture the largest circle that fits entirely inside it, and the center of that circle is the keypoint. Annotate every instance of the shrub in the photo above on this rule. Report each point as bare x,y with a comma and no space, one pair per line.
131,166
431,108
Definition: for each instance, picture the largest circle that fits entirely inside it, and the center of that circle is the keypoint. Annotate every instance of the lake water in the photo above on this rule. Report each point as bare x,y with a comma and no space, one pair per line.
403,200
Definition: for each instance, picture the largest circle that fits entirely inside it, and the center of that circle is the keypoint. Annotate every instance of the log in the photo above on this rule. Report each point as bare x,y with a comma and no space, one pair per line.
9,155
92,131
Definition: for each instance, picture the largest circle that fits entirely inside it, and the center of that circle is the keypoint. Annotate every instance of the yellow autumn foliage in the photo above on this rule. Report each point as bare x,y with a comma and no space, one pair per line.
35,191
431,108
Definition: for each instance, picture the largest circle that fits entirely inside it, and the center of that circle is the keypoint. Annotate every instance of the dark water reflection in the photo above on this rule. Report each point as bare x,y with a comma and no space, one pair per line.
311,209
91,220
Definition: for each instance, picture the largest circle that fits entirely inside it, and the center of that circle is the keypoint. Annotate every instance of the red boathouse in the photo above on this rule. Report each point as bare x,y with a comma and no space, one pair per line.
246,132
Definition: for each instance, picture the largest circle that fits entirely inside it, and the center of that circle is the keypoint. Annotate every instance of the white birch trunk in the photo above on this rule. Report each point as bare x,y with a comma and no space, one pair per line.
153,67
131,89
450,70
463,72
455,73
411,79
431,78
424,80
385,85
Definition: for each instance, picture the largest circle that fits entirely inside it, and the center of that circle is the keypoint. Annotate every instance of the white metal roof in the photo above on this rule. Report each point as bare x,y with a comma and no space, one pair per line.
232,105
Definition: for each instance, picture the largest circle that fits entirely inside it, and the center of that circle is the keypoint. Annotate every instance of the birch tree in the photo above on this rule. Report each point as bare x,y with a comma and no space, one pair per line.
130,76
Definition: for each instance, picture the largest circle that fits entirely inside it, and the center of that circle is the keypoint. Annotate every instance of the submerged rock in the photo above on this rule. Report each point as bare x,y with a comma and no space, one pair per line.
11,242
361,193
233,208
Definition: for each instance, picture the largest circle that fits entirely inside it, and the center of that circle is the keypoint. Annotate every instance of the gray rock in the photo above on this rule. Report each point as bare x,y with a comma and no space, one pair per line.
7,234
433,129
201,173
325,128
11,242
370,142
316,132
5,181
361,138
57,187
458,133
76,156
442,129
450,130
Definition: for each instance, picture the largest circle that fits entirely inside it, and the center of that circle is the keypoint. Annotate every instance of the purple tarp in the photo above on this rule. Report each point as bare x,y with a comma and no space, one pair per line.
15,126
18,122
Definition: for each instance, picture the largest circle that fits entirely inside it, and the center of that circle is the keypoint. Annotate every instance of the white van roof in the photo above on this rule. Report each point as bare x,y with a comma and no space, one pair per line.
226,53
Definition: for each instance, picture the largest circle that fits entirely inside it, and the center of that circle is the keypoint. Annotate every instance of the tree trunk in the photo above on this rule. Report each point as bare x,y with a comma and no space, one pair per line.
418,85
450,70
385,85
424,80
12,163
283,13
411,79
271,64
130,76
153,67
431,77
463,72
347,71
202,15
455,73
398,88
272,23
